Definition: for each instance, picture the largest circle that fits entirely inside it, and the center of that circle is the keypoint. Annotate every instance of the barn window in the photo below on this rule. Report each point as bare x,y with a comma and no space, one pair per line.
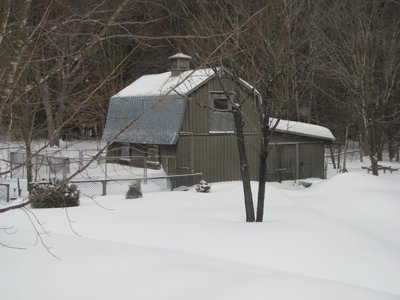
220,116
221,104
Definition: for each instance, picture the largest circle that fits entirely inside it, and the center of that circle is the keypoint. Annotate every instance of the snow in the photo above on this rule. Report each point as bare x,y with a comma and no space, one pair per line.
163,84
180,55
304,129
338,239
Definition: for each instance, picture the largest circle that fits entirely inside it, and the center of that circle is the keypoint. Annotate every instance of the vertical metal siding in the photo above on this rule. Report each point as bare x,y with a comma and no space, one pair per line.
311,160
216,156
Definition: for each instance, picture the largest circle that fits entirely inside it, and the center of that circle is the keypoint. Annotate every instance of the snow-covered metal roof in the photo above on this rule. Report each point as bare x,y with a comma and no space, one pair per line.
304,129
151,119
164,83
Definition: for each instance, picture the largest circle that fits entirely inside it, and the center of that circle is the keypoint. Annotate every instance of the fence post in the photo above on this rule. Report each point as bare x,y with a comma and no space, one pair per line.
11,164
104,184
145,170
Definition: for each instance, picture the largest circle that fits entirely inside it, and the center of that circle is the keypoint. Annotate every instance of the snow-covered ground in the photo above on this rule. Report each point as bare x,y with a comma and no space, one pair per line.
338,239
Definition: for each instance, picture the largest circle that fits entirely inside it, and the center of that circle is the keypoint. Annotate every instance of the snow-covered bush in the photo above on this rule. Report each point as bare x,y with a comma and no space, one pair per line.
134,191
54,194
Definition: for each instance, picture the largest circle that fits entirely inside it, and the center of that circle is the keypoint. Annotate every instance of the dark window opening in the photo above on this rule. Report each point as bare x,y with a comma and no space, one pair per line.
221,104
220,116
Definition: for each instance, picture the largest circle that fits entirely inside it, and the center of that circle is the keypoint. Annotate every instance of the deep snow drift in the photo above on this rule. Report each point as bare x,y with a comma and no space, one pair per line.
338,239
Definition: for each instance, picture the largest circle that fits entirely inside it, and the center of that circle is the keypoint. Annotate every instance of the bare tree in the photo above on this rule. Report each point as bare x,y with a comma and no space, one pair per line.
361,42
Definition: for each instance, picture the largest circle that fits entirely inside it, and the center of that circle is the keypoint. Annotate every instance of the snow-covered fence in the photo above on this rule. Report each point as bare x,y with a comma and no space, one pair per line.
341,156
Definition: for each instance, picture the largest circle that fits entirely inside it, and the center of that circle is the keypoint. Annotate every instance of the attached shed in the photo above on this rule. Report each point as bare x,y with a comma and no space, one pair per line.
181,121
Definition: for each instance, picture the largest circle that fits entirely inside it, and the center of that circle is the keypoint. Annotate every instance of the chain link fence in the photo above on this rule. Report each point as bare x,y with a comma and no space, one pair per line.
4,192
97,175
43,166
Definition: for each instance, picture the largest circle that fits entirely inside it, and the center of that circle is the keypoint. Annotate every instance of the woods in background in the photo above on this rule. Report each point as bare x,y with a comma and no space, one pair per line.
331,63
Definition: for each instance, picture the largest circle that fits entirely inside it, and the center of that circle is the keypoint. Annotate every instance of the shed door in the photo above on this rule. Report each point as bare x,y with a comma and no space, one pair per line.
281,163
312,160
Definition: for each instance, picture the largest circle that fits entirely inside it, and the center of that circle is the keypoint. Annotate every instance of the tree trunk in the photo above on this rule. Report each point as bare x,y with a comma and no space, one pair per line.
263,108
262,173
345,149
391,149
244,166
45,97
29,166
332,156
4,16
10,73
361,147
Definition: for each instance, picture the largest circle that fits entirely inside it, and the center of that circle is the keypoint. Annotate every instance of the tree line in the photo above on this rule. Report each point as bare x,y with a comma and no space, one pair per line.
332,63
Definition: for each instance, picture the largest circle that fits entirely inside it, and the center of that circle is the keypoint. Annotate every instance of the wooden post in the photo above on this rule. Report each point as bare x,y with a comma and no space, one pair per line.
145,170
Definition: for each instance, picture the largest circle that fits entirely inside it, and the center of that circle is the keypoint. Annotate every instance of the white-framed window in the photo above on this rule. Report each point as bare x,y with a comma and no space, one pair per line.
220,116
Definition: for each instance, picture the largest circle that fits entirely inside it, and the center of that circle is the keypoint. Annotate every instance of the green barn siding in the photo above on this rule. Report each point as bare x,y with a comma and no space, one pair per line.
216,156
168,158
196,119
312,161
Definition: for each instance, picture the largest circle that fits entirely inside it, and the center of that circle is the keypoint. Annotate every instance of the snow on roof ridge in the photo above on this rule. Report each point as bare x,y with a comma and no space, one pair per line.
164,83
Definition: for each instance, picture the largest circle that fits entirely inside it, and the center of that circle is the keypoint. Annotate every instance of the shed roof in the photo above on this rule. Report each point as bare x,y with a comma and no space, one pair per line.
144,119
304,129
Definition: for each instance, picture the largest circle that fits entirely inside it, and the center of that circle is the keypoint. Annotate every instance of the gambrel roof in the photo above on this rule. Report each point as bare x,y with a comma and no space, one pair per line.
150,110
146,119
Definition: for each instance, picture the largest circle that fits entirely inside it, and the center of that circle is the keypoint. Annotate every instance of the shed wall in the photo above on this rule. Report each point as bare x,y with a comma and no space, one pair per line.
216,156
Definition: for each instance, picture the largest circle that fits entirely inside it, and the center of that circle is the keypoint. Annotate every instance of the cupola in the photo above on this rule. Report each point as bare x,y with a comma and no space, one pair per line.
179,62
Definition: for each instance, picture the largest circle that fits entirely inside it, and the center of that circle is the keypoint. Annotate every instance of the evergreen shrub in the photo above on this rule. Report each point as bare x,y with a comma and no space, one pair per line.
54,194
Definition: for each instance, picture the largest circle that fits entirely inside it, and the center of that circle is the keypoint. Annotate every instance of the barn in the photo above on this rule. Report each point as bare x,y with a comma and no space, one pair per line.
180,120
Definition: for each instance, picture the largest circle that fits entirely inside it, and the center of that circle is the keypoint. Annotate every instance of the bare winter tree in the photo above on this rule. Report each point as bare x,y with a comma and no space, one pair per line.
52,77
361,42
